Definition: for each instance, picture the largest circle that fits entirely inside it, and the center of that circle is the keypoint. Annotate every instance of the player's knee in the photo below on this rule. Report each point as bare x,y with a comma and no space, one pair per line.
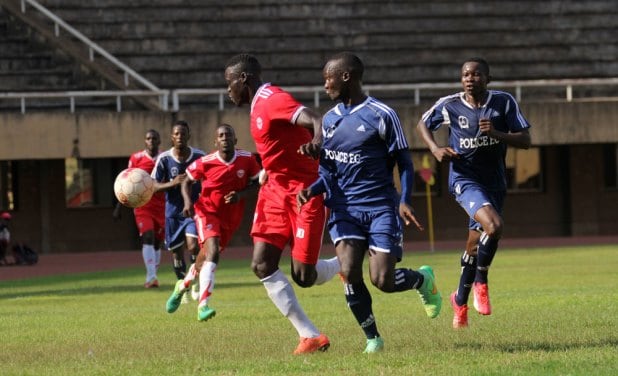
494,228
383,283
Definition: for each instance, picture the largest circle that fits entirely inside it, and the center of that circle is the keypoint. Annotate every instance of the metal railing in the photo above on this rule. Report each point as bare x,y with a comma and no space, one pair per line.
163,97
416,89
92,46
408,91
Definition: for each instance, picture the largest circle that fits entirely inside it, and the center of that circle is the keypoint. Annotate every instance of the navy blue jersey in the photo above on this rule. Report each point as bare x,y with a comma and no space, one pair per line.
357,161
167,167
481,158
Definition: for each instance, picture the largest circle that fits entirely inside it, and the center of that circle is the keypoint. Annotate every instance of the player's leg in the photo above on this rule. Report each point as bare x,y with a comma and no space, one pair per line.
207,261
145,226
492,225
459,298
193,249
308,230
351,254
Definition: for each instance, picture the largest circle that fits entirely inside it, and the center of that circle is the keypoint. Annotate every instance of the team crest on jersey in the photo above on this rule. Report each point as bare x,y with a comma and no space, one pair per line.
240,173
259,123
330,131
174,171
463,122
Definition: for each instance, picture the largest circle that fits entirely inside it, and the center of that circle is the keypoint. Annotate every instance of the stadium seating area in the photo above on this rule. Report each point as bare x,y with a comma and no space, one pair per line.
184,44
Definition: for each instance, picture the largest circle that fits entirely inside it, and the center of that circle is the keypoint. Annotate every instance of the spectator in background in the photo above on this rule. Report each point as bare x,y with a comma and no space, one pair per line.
5,236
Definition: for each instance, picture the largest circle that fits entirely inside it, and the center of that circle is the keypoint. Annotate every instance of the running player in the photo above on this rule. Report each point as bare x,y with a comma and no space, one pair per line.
281,128
150,218
169,173
225,176
363,141
482,123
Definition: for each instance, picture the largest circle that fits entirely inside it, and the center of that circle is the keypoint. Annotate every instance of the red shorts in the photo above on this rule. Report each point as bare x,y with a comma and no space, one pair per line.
209,226
147,220
278,222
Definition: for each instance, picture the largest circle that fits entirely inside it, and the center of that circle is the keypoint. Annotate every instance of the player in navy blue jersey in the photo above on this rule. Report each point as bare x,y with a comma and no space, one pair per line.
482,123
363,141
169,173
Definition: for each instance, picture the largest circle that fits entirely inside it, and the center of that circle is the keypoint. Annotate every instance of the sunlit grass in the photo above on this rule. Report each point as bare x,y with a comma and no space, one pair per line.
554,313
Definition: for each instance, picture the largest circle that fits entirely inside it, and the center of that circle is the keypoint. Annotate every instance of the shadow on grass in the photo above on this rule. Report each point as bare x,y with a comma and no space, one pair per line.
108,289
539,346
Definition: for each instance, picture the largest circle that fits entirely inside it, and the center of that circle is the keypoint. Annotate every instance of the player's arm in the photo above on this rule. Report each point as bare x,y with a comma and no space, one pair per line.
440,153
310,119
185,191
520,139
406,176
251,188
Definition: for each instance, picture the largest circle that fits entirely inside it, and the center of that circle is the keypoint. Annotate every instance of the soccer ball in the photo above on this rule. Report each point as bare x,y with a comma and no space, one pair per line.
133,187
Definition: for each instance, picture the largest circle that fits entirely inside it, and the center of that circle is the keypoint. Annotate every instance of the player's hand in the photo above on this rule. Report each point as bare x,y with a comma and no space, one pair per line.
406,212
303,196
231,197
178,179
188,211
486,127
445,154
311,149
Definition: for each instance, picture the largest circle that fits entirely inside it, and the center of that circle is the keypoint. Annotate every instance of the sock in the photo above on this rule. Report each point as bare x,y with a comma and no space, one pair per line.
180,267
359,301
282,294
407,279
157,259
207,282
327,269
148,254
487,250
189,277
468,272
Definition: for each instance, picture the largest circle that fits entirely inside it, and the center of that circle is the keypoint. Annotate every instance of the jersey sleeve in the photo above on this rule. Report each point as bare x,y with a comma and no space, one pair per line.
159,171
132,161
392,132
282,106
435,117
195,171
514,118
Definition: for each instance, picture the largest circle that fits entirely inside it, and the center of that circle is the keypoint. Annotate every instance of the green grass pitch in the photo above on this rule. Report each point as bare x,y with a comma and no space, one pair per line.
555,313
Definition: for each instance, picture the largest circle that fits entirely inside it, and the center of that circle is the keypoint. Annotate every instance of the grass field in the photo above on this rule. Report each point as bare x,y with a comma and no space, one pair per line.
555,313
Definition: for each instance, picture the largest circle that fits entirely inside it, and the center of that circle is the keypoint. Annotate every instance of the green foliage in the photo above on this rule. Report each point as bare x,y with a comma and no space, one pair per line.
554,314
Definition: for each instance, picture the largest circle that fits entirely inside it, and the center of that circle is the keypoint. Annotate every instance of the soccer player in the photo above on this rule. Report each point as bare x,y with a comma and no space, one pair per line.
169,173
225,175
281,128
482,123
150,218
363,141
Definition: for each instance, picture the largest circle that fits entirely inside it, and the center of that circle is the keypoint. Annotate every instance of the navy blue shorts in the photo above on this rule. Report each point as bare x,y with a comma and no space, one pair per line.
381,228
471,197
176,231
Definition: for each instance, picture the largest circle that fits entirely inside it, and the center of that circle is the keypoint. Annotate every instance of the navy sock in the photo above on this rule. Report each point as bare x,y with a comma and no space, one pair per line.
180,268
468,272
407,279
487,250
359,301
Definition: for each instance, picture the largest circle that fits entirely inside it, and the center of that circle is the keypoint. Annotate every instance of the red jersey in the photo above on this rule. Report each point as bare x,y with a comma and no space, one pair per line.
277,138
218,178
144,161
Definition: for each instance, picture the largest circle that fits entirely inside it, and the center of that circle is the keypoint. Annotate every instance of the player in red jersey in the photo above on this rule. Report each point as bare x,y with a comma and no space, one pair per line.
281,128
150,218
226,176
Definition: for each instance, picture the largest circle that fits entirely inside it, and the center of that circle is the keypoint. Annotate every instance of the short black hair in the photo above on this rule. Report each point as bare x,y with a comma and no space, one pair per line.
181,123
151,130
480,61
351,63
247,63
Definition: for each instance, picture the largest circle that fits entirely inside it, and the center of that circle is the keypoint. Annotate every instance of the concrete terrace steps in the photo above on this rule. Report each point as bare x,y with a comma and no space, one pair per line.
183,44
